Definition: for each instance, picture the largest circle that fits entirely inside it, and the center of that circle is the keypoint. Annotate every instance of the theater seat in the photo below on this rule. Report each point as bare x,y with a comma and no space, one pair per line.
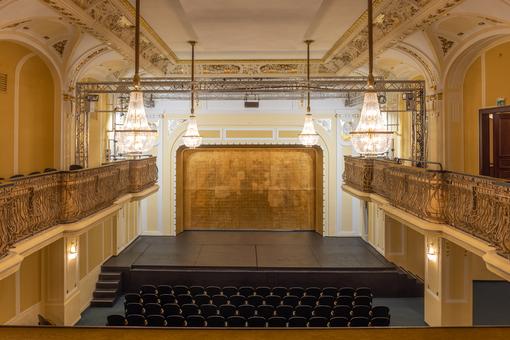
175,321
297,321
380,322
156,321
317,321
136,320
195,321
256,321
338,321
359,321
215,321
277,321
236,321
116,320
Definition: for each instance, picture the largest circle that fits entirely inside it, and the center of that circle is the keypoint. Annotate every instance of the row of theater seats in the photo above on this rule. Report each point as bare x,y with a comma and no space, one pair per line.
47,170
278,306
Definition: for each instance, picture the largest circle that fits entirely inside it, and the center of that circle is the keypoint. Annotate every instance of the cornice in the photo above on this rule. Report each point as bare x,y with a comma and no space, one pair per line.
111,22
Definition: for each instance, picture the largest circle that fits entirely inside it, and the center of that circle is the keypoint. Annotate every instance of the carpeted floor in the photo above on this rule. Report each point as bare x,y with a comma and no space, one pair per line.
404,312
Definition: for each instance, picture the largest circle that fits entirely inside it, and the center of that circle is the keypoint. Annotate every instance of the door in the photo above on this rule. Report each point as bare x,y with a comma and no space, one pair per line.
501,144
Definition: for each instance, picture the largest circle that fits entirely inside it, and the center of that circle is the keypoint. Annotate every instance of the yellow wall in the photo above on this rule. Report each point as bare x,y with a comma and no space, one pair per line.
472,93
8,298
486,80
36,111
30,281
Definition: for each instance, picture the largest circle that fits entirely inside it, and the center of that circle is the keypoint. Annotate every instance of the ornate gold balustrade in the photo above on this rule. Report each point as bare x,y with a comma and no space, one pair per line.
476,205
32,204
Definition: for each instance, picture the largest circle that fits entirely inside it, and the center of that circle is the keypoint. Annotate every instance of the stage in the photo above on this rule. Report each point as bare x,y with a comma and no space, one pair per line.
259,258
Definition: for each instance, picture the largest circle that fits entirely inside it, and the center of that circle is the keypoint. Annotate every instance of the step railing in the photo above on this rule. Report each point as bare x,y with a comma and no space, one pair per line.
476,205
31,204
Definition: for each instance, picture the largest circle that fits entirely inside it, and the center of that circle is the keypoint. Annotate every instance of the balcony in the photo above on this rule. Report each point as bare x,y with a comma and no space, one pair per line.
475,205
32,204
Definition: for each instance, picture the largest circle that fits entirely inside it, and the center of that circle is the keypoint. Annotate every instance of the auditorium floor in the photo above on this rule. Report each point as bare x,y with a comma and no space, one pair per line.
257,249
404,312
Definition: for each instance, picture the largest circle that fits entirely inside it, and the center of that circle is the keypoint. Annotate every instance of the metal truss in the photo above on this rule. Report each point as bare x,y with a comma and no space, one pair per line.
348,88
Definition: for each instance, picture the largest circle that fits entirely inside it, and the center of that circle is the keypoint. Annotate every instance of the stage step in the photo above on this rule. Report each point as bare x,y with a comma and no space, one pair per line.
107,289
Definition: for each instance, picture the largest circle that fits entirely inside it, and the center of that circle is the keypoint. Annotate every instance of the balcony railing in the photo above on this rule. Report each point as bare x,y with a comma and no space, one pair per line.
476,205
31,204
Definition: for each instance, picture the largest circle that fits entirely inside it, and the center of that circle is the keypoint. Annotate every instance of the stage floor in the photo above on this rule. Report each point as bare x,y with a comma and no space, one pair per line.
251,250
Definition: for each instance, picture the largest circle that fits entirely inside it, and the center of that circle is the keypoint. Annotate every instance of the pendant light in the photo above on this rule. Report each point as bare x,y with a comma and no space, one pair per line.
308,136
192,137
371,138
135,137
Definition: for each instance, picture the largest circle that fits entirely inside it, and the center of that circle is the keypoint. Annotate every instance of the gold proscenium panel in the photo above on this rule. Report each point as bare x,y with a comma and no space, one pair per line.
249,188
210,133
288,134
249,133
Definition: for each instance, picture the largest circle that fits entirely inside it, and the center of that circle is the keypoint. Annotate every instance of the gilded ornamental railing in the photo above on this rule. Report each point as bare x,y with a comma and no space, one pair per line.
476,205
32,204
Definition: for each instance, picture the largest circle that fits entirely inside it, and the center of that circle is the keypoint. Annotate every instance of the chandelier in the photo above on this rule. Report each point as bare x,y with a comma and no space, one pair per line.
308,136
191,137
371,138
135,137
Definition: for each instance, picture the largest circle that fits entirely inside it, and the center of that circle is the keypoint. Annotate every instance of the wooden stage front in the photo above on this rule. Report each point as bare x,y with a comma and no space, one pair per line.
259,258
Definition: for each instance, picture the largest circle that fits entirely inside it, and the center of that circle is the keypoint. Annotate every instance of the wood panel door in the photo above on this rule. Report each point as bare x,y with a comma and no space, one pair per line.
502,145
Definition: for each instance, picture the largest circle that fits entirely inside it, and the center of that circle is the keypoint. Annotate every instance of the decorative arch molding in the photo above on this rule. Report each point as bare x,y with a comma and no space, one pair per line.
453,82
59,145
176,143
426,66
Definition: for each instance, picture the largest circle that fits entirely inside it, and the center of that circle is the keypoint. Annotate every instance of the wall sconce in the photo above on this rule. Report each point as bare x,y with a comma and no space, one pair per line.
73,251
431,252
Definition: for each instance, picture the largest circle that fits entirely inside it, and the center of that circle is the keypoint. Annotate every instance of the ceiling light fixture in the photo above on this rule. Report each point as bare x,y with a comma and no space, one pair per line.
192,138
308,136
135,137
371,138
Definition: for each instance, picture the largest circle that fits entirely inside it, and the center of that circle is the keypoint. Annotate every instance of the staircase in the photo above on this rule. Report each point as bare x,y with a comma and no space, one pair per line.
107,288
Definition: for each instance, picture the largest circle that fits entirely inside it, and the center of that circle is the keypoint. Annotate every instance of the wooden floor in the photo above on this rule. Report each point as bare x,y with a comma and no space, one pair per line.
296,250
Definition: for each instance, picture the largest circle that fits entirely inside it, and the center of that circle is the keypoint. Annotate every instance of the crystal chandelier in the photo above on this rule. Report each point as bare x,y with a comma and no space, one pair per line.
191,137
308,136
370,138
136,137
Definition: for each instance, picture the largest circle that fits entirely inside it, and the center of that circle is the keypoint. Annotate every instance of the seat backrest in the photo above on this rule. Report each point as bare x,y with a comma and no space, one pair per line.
342,311
227,310
349,291
237,300
280,291
156,321
277,321
136,320
207,310
297,321
291,300
263,291
285,310
256,321
359,321
188,309
215,321
308,300
338,321
331,291
246,291
313,291
255,300
116,320
380,322
273,300
196,290
265,311
326,300
317,321
132,297
175,321
344,300
180,289
164,289
166,298
148,289
229,291
134,308
219,299
202,299
297,291
171,309
303,310
360,310
195,321
236,321
213,290
321,310
380,311
362,300
150,298
246,310
153,309
363,291
184,299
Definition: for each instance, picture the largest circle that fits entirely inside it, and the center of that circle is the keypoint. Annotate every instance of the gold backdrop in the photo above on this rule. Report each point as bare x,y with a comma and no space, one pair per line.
268,188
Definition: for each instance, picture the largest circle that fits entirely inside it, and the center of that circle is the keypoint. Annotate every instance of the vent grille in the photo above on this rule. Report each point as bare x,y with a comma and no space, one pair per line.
3,83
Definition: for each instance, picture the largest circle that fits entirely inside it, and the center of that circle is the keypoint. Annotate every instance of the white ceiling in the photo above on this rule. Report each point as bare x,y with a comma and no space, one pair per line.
248,29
